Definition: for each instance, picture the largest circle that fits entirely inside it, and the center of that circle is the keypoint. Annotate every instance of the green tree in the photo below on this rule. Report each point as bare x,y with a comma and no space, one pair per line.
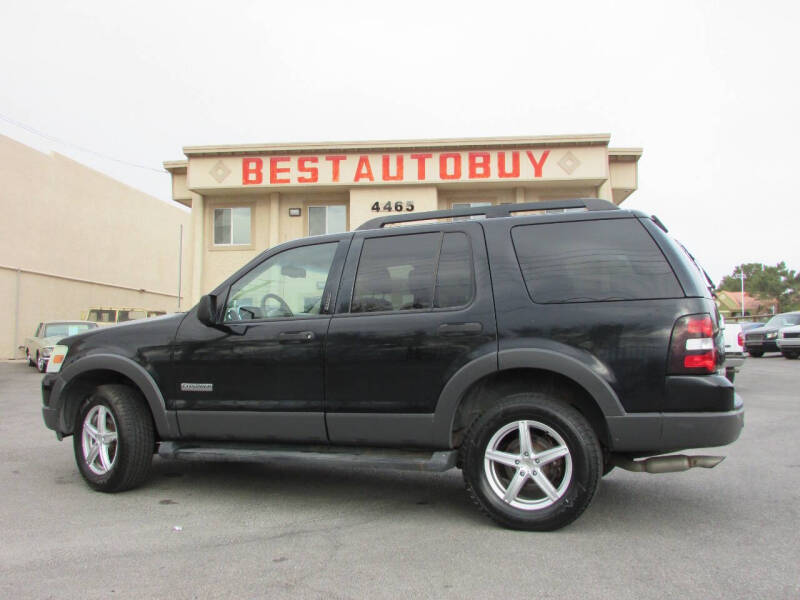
763,281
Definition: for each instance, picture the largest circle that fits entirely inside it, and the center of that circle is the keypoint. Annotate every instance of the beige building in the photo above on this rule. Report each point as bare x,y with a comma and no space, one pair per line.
72,238
247,198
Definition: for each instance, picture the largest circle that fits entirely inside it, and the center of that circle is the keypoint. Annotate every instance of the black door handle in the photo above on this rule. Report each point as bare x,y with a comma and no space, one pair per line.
460,328
296,336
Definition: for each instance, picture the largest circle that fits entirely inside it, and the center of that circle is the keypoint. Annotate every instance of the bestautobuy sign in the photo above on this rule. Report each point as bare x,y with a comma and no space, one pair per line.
397,168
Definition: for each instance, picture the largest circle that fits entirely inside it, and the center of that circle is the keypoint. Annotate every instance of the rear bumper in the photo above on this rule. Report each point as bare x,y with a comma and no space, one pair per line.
734,360
764,346
655,433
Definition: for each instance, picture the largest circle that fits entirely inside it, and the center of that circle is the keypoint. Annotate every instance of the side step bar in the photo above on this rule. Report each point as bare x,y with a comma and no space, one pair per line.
380,458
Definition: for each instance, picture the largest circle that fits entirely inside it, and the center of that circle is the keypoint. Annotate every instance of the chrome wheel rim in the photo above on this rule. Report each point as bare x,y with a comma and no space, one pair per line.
99,440
528,465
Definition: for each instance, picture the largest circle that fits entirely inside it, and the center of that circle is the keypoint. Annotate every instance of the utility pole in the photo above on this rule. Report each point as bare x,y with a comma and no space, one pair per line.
180,263
741,274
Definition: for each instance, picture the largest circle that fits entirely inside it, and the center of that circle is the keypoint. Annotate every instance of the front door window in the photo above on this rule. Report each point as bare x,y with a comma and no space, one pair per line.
289,284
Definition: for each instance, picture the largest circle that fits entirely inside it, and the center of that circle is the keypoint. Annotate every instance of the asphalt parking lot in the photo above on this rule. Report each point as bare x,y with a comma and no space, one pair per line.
251,531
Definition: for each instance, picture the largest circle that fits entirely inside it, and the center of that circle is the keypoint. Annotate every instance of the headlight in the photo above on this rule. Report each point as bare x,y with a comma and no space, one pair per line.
57,357
771,335
45,352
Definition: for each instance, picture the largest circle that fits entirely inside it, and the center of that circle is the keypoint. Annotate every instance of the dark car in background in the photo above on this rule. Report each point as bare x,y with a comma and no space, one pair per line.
763,339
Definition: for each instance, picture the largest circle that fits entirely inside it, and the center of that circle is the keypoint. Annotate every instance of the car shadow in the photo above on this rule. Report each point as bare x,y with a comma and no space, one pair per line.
639,503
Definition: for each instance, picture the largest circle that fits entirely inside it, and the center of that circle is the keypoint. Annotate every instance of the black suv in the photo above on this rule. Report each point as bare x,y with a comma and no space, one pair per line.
533,346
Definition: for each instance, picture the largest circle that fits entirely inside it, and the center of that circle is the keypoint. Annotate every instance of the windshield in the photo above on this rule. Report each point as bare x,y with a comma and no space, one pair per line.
66,329
783,321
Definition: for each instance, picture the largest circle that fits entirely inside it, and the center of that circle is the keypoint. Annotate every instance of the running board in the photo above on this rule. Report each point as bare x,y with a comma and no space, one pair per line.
379,458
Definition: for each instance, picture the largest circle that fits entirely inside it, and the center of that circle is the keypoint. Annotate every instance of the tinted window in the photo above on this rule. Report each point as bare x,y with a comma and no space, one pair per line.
590,261
288,284
454,276
396,273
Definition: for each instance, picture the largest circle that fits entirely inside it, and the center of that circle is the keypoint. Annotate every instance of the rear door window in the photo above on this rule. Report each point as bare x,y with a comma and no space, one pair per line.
414,272
592,261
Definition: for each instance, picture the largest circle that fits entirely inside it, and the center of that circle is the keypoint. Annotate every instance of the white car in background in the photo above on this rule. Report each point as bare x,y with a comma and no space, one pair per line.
788,341
48,334
734,348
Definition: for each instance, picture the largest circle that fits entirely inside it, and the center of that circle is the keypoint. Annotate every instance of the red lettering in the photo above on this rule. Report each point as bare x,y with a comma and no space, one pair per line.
385,174
313,172
275,170
443,172
363,170
479,165
501,165
335,160
421,158
537,166
252,171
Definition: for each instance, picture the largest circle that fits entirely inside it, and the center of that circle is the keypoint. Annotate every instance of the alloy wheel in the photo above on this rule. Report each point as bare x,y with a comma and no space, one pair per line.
528,465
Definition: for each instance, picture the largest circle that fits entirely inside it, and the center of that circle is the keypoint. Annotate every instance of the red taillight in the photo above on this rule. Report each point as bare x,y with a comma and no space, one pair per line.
706,361
692,348
740,339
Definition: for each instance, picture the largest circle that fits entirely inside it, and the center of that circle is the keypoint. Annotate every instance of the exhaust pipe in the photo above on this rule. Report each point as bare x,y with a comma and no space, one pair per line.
666,464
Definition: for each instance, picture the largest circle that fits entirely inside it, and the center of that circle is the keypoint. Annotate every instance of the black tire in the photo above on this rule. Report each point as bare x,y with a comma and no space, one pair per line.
41,364
28,356
571,495
790,354
135,439
756,353
730,375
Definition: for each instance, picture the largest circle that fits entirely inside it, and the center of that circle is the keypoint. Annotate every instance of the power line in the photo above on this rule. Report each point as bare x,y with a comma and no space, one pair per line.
51,138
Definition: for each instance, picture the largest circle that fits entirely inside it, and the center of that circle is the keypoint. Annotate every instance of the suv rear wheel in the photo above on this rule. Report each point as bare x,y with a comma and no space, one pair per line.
114,439
532,462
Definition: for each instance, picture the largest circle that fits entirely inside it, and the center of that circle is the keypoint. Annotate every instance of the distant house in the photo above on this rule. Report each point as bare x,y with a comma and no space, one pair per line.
730,304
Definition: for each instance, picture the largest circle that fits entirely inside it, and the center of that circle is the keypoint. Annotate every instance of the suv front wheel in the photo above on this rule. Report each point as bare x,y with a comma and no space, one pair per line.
532,462
114,439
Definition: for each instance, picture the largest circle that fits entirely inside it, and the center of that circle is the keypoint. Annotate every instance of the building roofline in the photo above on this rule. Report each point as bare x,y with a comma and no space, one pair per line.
625,154
175,165
600,139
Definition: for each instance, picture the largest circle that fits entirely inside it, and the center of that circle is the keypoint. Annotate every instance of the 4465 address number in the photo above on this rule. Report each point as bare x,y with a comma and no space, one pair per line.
406,206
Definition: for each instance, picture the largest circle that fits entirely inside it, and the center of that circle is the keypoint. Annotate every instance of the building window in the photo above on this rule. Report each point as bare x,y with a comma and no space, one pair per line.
327,219
232,226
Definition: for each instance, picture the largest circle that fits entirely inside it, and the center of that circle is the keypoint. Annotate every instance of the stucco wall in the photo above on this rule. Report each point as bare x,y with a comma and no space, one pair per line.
63,218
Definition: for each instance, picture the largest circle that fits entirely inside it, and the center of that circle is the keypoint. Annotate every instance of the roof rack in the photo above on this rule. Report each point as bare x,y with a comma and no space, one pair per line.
490,212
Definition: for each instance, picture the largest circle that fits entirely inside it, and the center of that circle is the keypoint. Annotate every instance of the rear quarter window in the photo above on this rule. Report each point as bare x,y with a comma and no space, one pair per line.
592,261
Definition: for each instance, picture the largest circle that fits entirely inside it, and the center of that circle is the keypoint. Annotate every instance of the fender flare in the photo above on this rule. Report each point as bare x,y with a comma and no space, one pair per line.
165,422
519,358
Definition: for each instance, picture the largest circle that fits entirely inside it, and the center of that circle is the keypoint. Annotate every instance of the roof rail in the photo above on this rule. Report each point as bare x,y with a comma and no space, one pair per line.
490,212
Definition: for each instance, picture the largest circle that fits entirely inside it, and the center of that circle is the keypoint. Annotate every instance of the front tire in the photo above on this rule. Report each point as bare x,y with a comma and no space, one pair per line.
756,353
114,439
28,356
41,364
790,354
532,462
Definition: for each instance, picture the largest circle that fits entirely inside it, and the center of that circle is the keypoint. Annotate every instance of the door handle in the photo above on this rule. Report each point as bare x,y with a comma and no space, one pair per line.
296,336
460,328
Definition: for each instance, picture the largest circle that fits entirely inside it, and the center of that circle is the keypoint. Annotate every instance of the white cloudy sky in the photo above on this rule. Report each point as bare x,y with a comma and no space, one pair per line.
710,90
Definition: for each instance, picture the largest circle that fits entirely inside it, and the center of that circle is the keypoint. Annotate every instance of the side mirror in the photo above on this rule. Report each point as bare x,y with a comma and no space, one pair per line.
207,310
